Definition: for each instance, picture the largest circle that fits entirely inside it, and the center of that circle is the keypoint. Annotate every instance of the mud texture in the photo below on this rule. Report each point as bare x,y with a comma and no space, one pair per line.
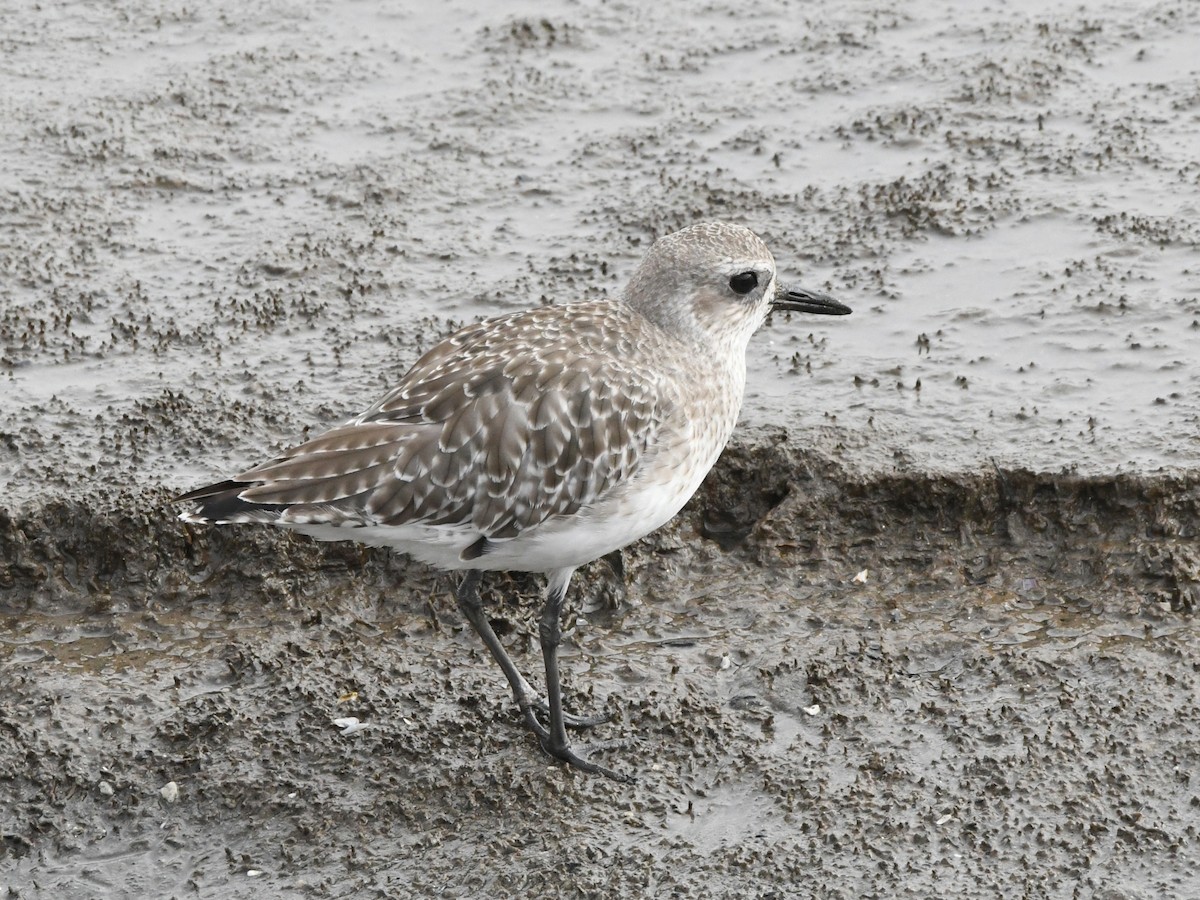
1003,704
929,629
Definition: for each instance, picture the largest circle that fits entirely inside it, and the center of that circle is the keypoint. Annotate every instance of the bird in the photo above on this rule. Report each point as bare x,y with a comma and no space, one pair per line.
539,441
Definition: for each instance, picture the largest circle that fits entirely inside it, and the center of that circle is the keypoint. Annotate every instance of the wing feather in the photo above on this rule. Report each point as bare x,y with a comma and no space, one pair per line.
500,427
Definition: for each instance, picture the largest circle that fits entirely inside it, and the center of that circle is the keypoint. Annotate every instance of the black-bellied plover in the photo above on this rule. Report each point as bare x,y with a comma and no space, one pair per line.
540,441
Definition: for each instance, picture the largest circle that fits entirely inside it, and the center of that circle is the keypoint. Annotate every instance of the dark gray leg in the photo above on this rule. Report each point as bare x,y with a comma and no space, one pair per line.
550,632
472,609
616,562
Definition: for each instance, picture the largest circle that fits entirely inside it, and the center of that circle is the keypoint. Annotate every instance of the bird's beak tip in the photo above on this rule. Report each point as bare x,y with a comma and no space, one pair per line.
798,299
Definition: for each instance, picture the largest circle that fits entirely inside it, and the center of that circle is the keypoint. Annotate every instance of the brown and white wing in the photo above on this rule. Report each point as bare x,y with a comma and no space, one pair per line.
490,430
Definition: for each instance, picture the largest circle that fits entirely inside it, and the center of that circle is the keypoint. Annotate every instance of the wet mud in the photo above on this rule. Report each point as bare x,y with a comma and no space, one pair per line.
929,628
825,683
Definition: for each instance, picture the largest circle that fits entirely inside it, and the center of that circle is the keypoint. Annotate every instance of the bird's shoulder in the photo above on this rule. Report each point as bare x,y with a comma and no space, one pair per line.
600,350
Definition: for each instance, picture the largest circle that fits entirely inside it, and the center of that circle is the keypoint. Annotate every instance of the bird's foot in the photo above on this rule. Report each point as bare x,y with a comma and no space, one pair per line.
564,753
561,749
573,721
536,711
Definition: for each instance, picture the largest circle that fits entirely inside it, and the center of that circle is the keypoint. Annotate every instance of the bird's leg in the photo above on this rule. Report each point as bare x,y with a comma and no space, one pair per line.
616,562
550,633
471,606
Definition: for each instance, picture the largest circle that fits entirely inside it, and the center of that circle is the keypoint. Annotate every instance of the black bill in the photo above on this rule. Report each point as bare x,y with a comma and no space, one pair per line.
797,299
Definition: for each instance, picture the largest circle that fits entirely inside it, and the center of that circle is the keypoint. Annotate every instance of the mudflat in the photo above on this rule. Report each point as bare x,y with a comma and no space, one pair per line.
928,628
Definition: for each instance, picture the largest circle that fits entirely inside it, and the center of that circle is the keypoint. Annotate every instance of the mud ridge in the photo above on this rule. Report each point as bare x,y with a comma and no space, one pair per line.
767,501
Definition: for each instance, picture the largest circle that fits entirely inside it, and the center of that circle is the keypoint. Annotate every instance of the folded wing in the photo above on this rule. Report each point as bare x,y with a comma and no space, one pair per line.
490,430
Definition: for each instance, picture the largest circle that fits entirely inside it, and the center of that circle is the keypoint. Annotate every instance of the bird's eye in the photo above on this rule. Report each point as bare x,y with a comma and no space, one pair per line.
743,282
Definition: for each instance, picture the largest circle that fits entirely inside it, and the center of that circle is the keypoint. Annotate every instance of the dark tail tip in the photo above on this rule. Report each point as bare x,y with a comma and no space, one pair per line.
217,503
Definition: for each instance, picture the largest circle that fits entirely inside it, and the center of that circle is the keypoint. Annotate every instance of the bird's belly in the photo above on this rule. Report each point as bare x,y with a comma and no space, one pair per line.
590,534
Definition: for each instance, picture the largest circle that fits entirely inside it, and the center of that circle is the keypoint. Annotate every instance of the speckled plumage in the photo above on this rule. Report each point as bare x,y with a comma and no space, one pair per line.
500,429
541,440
